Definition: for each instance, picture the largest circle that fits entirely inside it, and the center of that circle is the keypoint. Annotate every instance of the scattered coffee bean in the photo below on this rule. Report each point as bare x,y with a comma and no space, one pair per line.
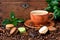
52,35
33,34
1,30
30,39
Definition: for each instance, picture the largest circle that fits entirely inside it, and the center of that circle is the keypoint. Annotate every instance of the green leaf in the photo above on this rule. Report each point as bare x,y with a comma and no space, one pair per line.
12,20
6,21
57,14
50,9
55,7
48,1
12,15
58,0
20,20
54,3
15,23
15,19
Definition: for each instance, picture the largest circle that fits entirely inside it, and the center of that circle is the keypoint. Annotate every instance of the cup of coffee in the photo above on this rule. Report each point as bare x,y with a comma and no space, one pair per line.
40,17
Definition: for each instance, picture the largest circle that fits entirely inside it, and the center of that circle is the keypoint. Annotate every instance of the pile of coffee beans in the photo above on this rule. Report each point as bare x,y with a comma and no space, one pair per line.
31,34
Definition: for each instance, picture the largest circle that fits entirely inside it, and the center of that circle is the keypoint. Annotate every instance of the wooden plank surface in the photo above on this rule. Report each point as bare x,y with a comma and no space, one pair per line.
22,0
7,6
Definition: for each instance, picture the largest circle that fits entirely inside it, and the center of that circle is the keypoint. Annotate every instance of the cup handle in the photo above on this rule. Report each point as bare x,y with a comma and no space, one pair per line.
51,17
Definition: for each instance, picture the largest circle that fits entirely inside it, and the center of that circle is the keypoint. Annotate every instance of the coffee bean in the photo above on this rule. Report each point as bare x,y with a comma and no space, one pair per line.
33,34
